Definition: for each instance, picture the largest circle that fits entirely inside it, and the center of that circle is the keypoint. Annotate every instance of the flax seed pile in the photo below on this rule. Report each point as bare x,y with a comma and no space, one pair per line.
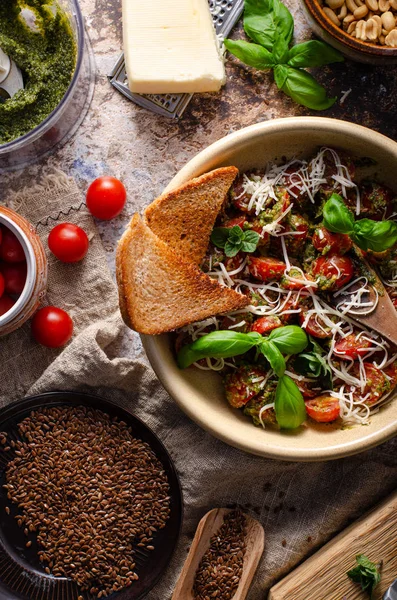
91,491
220,569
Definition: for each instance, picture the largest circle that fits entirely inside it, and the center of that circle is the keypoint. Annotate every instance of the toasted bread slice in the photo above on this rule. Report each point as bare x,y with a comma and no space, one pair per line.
184,217
160,292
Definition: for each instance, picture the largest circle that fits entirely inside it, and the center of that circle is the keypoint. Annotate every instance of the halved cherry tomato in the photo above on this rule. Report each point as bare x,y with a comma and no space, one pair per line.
14,277
377,383
314,326
106,198
297,281
391,371
6,303
327,242
266,324
243,384
295,242
294,184
2,284
265,268
334,271
68,242
234,262
239,198
323,409
11,249
352,347
239,221
52,327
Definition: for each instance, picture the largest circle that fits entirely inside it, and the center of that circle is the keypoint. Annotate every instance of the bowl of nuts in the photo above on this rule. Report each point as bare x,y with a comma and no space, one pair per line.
364,30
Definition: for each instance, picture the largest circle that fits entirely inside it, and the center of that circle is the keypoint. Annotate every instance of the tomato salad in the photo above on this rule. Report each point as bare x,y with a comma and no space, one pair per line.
292,239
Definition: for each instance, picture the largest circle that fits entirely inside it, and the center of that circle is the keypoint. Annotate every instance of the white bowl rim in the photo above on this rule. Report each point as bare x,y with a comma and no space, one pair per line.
199,164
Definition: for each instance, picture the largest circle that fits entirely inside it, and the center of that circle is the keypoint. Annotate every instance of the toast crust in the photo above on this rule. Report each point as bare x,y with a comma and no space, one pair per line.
160,292
184,218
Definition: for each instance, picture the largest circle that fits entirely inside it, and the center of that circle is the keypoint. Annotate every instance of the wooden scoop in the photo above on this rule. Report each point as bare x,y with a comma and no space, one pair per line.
208,526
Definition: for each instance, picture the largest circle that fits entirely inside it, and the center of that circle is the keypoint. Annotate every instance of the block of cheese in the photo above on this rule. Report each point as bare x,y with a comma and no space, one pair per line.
170,47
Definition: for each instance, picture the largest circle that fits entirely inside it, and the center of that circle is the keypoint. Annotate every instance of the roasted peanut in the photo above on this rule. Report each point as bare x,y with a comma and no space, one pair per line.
382,40
351,5
360,12
331,15
393,4
371,30
378,21
334,4
391,38
343,12
349,19
360,30
388,20
352,27
372,5
384,5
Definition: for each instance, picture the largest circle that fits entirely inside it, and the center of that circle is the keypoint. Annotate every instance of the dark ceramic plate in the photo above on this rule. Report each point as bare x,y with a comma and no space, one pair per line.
21,574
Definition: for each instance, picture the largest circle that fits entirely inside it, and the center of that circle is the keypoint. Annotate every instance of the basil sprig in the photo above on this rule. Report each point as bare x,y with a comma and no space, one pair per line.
234,239
366,233
313,364
270,26
290,339
289,404
366,574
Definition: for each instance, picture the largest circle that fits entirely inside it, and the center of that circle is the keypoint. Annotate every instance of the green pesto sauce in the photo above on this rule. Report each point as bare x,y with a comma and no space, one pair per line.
46,57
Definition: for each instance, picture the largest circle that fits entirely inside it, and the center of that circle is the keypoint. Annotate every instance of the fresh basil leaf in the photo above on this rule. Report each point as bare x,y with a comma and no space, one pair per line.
280,50
232,248
266,20
289,404
290,339
217,344
236,233
219,236
337,217
302,87
274,356
311,364
313,54
375,235
314,346
366,574
250,241
250,54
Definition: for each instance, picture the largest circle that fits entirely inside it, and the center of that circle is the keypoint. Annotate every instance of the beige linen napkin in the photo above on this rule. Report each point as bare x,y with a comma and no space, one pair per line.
300,505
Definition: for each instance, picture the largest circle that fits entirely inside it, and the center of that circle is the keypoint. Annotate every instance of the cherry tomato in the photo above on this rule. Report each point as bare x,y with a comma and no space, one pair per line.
11,249
6,303
234,262
376,201
377,383
14,277
334,271
266,324
106,198
323,409
296,243
327,242
391,371
239,198
2,284
294,185
243,384
265,268
52,327
298,282
314,326
68,242
352,347
235,221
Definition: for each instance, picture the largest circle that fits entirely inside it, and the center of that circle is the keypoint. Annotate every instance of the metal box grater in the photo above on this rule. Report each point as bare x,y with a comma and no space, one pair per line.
225,14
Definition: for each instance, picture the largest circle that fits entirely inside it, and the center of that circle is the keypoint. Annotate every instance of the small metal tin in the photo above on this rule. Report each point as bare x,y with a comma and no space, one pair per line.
225,14
391,592
36,280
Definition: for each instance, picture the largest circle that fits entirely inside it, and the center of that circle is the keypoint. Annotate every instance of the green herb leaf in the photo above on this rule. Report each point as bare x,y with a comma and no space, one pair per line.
366,574
290,339
313,54
219,236
251,54
250,241
374,235
289,404
234,239
217,344
302,87
274,356
267,20
280,50
232,248
312,364
337,217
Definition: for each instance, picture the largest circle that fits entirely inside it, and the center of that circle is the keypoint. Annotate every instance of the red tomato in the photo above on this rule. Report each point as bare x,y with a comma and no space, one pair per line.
335,270
298,283
266,324
239,221
314,326
68,242
323,409
234,262
351,347
2,284
52,327
391,371
5,304
11,249
265,268
243,384
296,243
14,277
106,198
327,242
294,184
239,198
377,384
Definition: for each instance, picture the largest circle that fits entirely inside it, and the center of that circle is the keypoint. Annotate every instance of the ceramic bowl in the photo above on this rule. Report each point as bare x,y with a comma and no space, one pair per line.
365,52
200,393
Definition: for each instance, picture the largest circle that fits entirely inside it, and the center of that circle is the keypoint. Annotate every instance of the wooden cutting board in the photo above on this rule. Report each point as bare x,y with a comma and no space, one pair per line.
323,576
